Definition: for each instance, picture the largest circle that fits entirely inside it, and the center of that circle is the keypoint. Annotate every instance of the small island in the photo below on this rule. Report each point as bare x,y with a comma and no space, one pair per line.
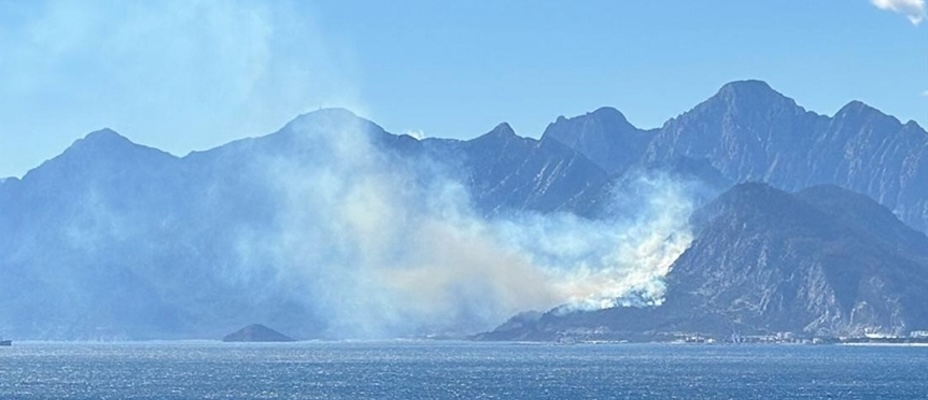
257,333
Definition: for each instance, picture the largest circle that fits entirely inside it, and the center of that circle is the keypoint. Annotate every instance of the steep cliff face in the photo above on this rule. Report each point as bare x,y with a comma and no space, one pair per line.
750,132
604,136
824,262
506,172
773,261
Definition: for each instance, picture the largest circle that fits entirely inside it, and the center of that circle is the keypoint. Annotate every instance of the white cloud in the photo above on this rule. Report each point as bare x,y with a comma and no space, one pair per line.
914,10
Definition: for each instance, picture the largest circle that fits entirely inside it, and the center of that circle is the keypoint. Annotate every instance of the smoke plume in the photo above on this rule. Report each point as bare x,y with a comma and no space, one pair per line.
384,245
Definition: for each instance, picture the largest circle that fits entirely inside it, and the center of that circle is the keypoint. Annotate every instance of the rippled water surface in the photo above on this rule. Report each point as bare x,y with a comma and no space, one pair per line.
442,370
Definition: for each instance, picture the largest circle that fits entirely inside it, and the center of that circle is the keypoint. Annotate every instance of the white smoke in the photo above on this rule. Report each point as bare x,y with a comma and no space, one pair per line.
599,264
388,247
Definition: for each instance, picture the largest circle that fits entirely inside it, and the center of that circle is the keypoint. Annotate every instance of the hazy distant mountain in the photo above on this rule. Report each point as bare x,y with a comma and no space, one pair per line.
604,136
508,172
116,240
750,132
824,262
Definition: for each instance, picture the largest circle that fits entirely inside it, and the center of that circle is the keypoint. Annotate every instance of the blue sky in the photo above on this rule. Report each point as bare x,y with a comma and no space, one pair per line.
190,75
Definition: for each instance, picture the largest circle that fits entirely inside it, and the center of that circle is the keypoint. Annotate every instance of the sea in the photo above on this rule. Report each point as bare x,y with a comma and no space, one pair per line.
459,370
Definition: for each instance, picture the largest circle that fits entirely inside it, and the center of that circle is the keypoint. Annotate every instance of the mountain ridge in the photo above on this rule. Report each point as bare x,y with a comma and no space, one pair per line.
765,262
750,132
135,240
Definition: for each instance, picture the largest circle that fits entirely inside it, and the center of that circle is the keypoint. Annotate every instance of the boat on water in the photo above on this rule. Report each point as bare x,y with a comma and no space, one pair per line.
6,342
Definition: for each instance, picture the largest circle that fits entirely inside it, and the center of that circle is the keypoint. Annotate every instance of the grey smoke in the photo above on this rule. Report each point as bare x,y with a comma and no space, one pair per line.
389,246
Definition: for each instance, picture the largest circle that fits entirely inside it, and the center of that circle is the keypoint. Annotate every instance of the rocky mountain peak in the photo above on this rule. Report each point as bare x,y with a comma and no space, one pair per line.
502,130
104,139
604,136
912,125
750,88
498,136
334,113
326,118
108,144
610,116
860,111
101,150
603,121
750,95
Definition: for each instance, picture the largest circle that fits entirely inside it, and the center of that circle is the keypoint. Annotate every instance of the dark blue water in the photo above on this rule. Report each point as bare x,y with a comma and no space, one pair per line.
459,371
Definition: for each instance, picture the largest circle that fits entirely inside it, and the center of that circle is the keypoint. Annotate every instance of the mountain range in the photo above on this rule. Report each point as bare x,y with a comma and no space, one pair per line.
750,132
807,223
821,262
